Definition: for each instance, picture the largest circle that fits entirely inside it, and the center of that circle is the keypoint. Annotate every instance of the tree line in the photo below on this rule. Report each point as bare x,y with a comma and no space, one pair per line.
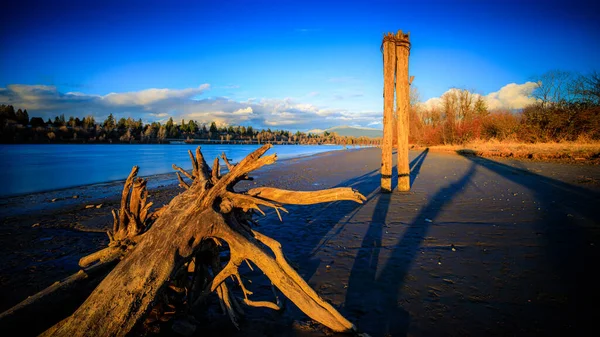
16,127
566,108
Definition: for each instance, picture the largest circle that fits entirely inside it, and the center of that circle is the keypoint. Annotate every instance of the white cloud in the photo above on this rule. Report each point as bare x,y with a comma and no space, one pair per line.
511,96
149,96
244,111
161,104
431,103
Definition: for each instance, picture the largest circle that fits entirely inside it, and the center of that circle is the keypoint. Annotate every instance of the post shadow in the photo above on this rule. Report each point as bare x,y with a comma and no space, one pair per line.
571,246
367,184
415,166
389,319
325,217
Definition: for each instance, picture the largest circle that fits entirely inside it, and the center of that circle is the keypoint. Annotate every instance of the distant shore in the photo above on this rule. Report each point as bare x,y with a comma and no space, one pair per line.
183,142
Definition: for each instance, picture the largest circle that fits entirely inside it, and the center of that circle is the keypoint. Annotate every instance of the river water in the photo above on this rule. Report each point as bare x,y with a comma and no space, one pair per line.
36,168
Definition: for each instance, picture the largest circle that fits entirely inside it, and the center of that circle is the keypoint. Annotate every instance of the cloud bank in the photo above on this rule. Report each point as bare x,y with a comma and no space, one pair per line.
160,104
510,97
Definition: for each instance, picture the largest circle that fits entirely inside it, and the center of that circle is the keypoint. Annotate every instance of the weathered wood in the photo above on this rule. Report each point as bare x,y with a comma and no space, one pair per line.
191,228
307,198
389,68
129,222
43,309
402,108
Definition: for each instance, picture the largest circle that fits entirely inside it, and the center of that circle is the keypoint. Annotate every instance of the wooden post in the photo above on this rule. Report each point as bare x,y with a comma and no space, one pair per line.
389,67
402,42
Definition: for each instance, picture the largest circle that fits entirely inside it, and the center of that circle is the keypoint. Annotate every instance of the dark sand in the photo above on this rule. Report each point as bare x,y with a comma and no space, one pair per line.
478,247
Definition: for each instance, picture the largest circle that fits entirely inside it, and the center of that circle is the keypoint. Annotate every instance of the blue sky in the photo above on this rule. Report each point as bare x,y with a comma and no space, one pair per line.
279,64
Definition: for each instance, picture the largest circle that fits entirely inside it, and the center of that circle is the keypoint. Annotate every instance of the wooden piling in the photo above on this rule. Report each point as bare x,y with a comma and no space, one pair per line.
402,42
389,68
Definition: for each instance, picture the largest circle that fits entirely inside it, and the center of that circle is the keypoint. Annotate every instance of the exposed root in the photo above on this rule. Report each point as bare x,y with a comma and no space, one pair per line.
105,255
132,219
184,172
178,249
181,182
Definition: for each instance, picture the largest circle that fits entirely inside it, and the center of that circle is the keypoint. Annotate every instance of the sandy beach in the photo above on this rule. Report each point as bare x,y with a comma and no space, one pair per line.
477,247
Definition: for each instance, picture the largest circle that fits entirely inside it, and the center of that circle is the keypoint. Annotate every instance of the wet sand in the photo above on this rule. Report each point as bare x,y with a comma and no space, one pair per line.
478,247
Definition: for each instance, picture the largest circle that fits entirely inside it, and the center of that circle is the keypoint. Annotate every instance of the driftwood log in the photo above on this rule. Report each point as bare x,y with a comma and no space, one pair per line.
39,311
170,259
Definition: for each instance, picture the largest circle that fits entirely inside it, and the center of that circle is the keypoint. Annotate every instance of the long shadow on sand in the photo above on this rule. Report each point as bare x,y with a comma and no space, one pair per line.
415,166
374,291
369,185
569,226
328,220
383,288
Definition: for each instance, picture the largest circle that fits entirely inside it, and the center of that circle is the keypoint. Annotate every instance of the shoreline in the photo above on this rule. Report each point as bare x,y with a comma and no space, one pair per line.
32,169
447,149
77,197
69,197
476,247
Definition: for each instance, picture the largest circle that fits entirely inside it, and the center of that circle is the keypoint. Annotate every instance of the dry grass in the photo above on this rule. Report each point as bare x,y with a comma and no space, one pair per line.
586,152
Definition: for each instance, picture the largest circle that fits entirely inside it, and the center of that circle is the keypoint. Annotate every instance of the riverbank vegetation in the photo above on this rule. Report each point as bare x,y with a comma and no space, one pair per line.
563,123
16,127
566,108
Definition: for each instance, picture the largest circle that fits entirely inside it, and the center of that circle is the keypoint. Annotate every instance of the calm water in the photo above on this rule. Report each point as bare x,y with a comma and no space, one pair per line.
36,168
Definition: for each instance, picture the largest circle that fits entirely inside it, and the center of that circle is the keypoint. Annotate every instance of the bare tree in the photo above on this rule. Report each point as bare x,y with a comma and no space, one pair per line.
587,88
415,96
553,87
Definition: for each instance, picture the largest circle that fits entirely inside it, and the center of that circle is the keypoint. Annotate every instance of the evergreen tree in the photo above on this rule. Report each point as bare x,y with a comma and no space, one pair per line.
192,126
213,128
170,124
37,122
22,117
122,124
88,122
7,112
109,123
162,133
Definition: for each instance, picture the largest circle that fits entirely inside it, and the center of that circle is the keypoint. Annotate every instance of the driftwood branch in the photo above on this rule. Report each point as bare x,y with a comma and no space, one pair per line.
307,198
176,251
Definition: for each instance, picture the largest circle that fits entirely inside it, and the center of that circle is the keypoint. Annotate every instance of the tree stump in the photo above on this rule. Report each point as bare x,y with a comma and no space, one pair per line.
176,250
